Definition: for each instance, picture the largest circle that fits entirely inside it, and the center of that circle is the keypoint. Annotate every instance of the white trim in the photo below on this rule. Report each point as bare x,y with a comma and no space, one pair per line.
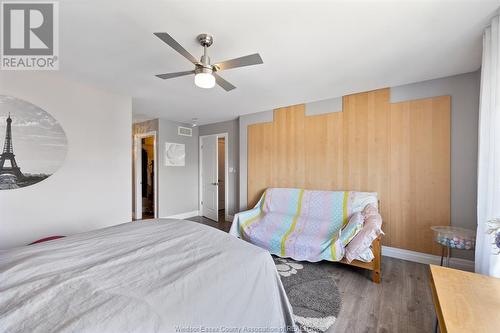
183,215
226,171
137,138
200,185
424,258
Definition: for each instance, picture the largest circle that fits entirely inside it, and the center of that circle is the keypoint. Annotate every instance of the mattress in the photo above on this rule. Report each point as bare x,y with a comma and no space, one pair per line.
155,276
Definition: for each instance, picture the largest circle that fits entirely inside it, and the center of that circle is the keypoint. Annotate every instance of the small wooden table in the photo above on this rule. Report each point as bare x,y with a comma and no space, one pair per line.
464,301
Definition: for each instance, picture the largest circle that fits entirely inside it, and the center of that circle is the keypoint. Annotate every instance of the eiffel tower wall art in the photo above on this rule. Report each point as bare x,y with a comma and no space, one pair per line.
34,145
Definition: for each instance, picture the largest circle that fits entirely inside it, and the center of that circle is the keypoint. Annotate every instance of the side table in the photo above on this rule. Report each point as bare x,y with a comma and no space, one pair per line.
453,238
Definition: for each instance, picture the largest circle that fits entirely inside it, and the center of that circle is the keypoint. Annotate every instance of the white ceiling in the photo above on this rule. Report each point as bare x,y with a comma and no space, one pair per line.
312,50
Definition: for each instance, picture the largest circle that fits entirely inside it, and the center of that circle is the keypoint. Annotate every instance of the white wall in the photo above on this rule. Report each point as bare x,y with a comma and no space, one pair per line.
178,186
93,187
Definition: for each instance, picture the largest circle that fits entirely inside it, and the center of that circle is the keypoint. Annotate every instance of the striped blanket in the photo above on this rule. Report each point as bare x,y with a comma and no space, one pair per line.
301,224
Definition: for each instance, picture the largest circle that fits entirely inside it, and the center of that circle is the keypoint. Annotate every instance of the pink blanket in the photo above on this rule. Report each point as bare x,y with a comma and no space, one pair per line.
300,224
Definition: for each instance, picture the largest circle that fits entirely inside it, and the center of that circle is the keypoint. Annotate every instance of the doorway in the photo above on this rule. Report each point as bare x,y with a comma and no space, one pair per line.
214,176
221,175
145,184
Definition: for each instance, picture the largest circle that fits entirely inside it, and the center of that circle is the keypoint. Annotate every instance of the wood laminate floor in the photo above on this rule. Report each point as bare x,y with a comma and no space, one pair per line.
402,302
222,224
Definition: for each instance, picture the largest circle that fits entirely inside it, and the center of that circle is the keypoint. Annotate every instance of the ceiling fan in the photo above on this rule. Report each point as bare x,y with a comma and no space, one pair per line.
205,73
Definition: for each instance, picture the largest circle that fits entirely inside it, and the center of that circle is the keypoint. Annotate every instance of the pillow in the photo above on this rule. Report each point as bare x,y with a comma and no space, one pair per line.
352,228
369,210
359,200
366,256
363,240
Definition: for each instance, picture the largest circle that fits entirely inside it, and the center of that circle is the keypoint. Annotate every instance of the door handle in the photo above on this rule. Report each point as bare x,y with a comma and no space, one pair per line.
215,184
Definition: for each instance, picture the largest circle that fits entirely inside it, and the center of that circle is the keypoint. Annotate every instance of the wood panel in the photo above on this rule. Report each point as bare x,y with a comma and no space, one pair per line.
324,152
401,151
366,148
420,172
259,165
287,151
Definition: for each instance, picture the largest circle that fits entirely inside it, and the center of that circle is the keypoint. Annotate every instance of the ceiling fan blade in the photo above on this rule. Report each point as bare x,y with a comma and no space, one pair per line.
172,75
223,83
249,60
176,46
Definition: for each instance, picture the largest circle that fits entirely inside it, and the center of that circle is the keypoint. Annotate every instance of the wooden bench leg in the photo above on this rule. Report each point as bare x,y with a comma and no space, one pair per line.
376,276
377,253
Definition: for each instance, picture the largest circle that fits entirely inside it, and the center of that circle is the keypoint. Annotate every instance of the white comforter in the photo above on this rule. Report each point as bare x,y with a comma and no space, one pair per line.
154,276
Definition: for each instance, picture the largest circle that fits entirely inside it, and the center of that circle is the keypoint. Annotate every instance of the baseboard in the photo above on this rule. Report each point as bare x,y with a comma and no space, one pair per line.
424,258
183,215
229,218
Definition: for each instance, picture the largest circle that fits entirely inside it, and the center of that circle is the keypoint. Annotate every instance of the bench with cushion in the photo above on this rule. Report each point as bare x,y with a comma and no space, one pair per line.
313,226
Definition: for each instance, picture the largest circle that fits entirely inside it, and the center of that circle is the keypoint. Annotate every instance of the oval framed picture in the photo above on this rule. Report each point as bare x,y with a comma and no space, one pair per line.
34,144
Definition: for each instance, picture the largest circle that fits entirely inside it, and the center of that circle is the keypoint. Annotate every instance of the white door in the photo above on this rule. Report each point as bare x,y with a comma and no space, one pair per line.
209,177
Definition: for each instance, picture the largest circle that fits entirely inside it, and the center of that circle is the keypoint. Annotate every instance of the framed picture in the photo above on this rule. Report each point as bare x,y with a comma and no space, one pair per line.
34,145
175,154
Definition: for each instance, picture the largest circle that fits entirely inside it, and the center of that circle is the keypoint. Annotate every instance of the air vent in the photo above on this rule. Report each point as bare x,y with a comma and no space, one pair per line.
185,131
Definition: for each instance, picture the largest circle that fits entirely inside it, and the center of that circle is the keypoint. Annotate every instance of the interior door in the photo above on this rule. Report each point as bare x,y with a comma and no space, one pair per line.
209,178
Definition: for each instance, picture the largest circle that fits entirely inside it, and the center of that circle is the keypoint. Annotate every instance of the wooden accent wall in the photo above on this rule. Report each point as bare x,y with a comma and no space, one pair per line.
401,151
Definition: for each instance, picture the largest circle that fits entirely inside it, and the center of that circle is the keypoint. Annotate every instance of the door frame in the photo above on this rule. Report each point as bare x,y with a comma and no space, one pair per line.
226,171
138,169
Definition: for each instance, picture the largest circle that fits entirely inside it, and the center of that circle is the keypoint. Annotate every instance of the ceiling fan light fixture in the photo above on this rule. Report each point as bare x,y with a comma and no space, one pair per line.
206,73
204,80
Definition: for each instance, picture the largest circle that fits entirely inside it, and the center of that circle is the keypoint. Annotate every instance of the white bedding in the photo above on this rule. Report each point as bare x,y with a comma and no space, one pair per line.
154,276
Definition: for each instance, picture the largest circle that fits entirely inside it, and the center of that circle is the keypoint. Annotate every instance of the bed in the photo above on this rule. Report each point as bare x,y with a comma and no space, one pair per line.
155,276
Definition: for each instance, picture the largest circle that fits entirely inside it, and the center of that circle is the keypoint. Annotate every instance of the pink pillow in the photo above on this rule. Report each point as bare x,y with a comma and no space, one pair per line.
363,240
352,228
369,210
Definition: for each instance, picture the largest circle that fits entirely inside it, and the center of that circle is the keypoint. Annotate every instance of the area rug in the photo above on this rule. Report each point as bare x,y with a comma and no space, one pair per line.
312,292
